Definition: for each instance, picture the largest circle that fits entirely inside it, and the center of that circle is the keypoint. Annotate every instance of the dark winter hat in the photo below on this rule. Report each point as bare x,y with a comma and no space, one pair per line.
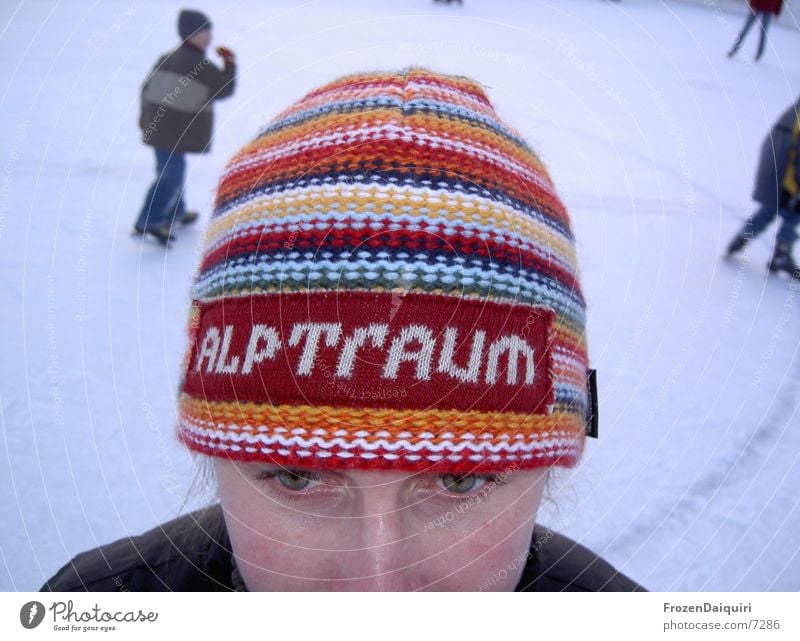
389,281
190,22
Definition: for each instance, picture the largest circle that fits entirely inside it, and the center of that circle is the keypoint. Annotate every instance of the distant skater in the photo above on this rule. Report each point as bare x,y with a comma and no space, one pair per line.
761,10
778,191
177,118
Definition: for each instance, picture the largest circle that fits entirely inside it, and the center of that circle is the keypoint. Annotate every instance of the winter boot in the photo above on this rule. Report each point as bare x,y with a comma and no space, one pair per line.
161,234
188,218
782,261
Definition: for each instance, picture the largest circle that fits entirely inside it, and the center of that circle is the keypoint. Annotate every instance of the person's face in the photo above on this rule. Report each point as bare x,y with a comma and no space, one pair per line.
294,529
201,39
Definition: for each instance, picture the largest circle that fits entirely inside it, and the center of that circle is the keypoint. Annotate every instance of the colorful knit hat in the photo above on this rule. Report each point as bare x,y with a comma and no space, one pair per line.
389,281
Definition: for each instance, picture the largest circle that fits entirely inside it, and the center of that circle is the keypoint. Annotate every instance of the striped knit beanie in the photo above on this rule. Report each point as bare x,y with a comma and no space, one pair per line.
389,281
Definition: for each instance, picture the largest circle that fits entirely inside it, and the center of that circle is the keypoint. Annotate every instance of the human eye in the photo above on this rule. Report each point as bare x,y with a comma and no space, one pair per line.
310,492
292,480
461,484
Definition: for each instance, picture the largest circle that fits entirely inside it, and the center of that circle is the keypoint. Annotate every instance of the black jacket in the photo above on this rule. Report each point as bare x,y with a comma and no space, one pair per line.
177,100
193,554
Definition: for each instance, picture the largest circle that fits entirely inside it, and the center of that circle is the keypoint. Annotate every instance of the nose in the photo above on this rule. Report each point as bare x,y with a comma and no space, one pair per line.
385,555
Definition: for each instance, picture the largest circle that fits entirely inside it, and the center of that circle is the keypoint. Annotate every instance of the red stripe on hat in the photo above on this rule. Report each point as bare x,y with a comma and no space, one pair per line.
264,239
382,155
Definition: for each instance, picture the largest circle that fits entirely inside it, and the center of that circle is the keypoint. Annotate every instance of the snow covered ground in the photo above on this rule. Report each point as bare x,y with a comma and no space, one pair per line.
652,135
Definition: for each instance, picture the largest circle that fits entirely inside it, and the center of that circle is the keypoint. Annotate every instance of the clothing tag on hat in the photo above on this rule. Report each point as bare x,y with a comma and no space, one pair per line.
358,349
592,420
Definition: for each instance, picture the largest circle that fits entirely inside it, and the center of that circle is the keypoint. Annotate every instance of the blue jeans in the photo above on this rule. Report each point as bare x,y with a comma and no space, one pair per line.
787,232
164,204
763,21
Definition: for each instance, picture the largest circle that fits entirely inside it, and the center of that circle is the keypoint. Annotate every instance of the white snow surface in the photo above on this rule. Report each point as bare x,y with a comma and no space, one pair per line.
652,136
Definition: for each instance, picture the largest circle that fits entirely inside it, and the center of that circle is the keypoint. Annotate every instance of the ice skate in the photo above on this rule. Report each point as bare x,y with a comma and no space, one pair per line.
188,218
738,243
160,234
782,262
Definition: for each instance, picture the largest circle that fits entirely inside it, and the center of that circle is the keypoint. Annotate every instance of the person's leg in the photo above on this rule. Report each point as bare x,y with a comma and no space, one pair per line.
176,171
764,18
787,232
782,259
164,195
179,214
150,213
738,43
754,225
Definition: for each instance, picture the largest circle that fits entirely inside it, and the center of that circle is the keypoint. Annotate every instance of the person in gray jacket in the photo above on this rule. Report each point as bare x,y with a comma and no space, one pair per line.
776,191
176,118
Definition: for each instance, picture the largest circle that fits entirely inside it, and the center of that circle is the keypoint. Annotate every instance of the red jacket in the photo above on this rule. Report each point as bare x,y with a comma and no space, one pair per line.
770,6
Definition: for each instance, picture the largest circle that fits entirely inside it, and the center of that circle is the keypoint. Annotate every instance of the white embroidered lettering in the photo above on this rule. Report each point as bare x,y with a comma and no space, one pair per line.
233,365
398,353
377,332
471,372
313,332
254,354
514,346
208,349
